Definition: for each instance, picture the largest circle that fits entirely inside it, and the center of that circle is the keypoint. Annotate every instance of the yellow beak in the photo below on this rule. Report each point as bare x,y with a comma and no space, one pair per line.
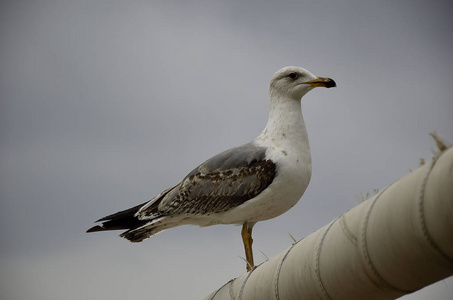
322,81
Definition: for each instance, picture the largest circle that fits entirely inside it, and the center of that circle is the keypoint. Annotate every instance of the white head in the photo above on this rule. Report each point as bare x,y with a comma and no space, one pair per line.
295,82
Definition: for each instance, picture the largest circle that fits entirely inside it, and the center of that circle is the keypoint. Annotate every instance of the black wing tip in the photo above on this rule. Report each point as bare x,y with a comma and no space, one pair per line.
95,228
107,218
124,219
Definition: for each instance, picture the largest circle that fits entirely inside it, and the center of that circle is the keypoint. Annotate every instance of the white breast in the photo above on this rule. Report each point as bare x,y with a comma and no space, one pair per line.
287,146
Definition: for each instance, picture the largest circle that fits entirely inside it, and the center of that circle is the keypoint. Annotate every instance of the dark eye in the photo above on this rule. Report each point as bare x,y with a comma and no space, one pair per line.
293,75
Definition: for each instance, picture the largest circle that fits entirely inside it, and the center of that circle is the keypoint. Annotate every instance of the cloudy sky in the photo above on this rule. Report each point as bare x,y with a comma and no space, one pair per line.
106,103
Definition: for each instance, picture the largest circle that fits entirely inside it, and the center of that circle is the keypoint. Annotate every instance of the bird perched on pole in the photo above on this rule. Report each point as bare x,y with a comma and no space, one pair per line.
254,182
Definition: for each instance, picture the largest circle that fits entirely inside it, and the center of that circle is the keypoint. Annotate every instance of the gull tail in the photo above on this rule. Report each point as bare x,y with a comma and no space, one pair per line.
141,228
137,230
149,228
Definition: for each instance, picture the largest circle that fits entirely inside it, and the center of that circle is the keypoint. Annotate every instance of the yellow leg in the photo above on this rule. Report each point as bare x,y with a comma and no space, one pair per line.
248,241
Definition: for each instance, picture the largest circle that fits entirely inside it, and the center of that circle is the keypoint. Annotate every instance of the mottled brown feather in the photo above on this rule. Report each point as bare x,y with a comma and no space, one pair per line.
217,191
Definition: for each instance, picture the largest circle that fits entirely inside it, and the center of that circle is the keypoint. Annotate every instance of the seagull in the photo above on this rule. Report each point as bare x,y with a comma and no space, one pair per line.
254,182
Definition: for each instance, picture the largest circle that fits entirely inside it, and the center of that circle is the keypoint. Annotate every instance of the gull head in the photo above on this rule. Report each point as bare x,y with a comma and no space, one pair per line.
295,82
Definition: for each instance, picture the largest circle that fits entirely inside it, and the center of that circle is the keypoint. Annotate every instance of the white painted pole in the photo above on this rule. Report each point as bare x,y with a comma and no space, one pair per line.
392,244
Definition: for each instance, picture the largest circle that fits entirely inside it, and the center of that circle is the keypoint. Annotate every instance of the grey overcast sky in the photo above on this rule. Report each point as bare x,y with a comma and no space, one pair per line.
106,103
